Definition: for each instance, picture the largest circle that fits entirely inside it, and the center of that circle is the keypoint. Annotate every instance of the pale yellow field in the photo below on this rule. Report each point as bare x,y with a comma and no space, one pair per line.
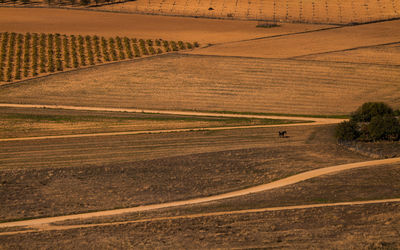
385,55
315,11
311,43
140,26
180,82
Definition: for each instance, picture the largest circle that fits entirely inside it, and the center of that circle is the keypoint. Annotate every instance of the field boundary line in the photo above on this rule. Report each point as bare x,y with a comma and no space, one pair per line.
344,50
174,112
264,187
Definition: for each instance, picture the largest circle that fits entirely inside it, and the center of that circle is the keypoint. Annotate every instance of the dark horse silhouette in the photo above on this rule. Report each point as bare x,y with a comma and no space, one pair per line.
282,134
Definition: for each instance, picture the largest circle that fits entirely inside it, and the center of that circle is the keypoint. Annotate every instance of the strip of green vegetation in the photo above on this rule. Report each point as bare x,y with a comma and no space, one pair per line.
274,114
93,118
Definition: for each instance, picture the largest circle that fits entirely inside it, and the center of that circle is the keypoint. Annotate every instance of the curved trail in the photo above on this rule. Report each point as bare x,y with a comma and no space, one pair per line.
173,112
191,216
314,121
276,184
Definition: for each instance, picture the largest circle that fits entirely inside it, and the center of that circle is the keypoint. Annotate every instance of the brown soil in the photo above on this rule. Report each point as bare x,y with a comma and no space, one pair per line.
152,27
371,183
260,157
179,82
310,43
358,227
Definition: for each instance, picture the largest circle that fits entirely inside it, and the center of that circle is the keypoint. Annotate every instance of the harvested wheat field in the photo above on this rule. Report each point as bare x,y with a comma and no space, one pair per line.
317,11
320,41
381,54
127,131
80,22
186,82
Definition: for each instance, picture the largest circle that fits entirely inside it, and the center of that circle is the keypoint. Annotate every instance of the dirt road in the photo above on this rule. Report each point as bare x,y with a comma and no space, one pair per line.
315,121
276,184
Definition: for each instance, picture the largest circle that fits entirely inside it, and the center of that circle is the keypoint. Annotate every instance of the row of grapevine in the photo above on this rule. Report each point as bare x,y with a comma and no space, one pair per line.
28,55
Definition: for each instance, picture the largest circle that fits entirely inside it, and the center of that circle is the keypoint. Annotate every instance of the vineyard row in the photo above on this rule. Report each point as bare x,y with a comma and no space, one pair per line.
28,55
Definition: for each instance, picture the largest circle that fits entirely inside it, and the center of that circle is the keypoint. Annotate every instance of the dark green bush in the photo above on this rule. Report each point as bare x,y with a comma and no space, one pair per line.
371,109
347,131
385,127
373,121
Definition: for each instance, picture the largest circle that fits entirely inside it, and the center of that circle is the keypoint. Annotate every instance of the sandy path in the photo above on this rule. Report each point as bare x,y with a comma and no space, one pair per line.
316,121
276,184
191,216
174,112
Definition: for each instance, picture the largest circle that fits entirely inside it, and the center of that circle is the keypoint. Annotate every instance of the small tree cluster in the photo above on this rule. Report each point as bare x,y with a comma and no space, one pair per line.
373,121
20,42
35,54
3,54
43,60
27,54
75,62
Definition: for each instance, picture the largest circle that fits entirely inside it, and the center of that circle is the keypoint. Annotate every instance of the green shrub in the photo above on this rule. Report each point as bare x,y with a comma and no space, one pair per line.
27,48
385,127
373,121
104,47
347,131
97,49
371,109
67,55
35,54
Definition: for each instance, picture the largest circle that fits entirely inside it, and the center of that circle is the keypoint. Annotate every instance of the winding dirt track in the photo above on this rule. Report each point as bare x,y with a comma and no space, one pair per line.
191,216
39,223
315,121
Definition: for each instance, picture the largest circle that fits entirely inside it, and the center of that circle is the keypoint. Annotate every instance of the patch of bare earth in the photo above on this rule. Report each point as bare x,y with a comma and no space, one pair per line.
371,183
110,172
355,227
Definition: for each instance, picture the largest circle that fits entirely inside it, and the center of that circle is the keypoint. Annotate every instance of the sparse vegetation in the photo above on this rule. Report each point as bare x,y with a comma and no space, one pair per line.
26,55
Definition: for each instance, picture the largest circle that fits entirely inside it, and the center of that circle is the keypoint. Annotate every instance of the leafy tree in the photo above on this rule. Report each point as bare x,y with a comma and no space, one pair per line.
371,109
372,121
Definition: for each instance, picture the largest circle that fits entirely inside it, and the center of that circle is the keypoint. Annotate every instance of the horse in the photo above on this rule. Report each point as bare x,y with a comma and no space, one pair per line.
282,134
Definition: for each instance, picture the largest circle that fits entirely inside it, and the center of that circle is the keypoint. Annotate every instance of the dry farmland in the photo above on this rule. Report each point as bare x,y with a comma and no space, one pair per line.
316,11
309,43
186,82
122,155
140,26
33,55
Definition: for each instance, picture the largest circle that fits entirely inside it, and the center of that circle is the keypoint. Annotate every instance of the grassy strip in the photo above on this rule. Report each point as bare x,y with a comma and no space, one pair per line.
272,114
80,118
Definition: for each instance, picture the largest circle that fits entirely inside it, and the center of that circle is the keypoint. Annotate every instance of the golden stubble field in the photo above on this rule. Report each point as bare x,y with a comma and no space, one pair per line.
192,82
296,45
315,11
